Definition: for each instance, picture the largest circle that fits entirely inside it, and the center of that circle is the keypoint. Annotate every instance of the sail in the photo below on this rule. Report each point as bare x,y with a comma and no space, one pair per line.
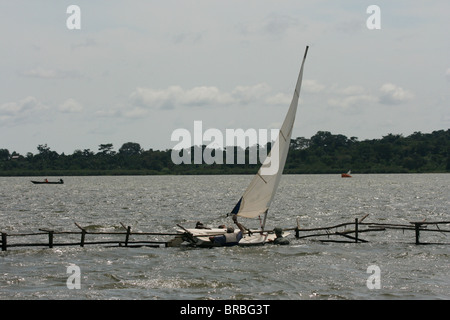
259,194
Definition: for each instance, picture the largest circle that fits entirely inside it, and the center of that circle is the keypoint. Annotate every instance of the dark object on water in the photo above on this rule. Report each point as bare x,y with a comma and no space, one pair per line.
48,182
346,175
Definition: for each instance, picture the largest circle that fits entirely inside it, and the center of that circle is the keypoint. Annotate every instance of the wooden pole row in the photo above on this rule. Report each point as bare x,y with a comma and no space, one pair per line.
51,243
51,233
322,231
418,226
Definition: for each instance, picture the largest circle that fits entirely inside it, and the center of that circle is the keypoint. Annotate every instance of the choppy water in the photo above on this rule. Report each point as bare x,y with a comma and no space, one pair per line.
303,270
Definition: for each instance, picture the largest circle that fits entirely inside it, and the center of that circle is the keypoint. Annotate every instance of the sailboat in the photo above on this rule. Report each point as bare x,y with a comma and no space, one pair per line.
258,196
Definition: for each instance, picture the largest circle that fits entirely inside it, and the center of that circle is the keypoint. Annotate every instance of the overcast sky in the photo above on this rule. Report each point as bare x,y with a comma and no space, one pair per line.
138,70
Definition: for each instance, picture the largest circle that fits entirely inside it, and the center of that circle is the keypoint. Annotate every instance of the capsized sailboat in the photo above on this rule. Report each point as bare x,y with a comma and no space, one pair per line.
258,196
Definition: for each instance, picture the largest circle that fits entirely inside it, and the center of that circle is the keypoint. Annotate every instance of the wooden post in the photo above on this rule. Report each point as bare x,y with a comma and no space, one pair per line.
127,236
417,227
356,230
4,242
363,218
50,238
83,234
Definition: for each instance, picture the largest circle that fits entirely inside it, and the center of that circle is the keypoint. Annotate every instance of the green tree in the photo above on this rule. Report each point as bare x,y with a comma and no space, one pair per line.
130,149
106,149
4,154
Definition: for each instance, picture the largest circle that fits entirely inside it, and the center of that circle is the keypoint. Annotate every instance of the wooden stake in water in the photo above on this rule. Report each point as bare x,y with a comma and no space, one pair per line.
4,242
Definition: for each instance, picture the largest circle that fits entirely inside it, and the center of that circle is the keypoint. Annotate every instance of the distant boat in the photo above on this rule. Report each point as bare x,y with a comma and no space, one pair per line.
346,175
48,182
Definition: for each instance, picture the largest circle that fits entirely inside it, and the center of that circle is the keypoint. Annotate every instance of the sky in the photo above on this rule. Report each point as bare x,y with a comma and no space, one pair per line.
135,71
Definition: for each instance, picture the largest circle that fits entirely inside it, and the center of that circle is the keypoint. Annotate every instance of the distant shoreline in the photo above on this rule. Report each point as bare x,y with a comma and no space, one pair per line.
323,153
60,174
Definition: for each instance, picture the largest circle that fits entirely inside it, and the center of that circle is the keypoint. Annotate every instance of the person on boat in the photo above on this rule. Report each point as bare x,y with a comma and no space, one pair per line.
230,238
279,239
200,225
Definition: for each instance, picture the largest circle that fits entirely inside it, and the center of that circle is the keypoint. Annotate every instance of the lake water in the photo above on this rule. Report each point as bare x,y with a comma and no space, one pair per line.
304,270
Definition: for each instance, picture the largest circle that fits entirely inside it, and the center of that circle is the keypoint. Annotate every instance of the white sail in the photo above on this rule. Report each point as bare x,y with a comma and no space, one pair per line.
259,194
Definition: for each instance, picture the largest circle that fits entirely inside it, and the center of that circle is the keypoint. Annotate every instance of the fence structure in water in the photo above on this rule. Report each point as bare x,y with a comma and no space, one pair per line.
354,234
122,238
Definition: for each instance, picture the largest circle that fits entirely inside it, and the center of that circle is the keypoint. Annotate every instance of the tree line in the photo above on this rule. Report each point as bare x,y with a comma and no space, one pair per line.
322,153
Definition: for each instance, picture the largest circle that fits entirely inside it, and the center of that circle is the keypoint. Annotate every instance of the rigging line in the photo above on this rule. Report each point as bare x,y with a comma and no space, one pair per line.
281,132
290,132
259,175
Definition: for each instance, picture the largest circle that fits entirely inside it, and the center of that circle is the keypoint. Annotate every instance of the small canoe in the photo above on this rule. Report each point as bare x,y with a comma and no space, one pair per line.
48,182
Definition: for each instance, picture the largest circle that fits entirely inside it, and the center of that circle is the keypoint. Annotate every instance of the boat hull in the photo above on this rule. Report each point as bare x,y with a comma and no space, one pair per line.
257,239
200,238
43,182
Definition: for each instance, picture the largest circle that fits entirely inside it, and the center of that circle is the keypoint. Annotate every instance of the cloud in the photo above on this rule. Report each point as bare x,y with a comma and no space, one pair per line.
277,24
30,110
279,99
352,90
187,37
354,97
393,94
107,113
246,94
352,102
200,96
351,98
273,25
88,42
44,73
447,74
312,86
124,112
176,96
163,99
70,106
29,107
136,113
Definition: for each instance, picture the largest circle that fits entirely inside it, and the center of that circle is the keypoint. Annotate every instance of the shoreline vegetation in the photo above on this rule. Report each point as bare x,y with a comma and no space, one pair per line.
323,153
